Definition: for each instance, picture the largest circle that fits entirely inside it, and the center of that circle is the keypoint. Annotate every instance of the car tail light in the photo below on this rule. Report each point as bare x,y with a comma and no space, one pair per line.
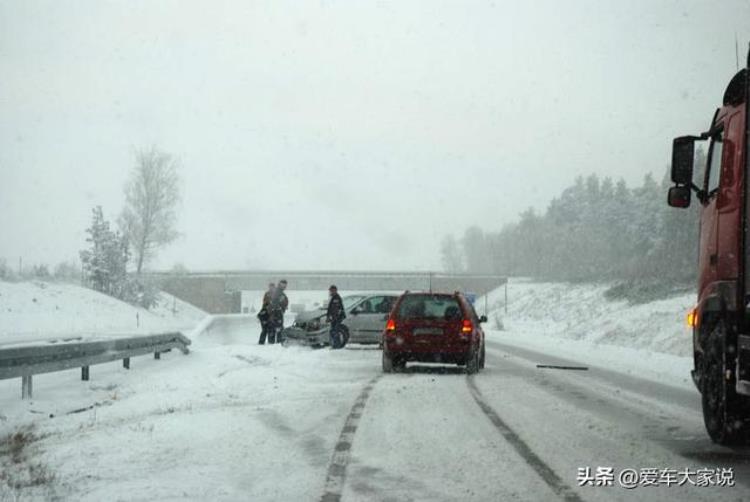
390,325
467,327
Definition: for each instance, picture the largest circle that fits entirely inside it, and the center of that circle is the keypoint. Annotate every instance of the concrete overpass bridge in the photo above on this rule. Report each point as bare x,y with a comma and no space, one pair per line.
219,292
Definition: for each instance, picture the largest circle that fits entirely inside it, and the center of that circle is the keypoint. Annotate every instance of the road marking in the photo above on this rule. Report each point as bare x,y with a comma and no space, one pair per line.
532,459
342,450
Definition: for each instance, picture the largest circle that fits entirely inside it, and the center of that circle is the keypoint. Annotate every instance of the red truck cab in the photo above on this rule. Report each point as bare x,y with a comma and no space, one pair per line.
721,319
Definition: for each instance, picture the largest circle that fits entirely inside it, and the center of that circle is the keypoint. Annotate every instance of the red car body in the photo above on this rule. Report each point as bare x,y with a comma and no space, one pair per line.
450,333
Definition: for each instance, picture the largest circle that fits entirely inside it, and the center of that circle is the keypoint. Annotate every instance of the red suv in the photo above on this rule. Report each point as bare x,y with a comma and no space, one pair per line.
433,328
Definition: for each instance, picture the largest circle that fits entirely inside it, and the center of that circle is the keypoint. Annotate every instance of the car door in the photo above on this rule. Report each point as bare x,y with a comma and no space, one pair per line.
355,319
709,230
373,320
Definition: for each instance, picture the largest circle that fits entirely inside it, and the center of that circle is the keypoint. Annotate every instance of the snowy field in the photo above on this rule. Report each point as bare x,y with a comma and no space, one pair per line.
236,421
32,311
576,322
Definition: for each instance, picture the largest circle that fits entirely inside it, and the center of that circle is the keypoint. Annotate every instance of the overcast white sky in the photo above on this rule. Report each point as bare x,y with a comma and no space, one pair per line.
329,134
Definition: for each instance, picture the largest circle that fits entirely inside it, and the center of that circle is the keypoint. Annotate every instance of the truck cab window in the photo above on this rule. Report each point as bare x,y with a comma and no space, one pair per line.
714,165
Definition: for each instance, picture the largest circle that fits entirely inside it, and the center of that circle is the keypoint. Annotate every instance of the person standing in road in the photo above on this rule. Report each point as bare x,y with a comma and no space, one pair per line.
276,308
264,315
335,315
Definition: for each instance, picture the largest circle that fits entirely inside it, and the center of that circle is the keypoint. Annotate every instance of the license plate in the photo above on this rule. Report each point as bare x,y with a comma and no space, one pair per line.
428,331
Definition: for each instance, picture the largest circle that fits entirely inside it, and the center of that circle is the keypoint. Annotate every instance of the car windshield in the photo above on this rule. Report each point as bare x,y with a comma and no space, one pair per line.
352,300
536,214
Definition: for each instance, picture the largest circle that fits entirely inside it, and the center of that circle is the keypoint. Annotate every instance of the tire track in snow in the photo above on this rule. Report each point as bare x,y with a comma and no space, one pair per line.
544,471
341,453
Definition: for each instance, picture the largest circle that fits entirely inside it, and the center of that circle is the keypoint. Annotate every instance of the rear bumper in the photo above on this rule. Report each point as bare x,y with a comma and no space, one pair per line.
429,352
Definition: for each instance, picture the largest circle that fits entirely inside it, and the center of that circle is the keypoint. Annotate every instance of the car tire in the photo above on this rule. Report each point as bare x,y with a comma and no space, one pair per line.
481,359
472,364
387,363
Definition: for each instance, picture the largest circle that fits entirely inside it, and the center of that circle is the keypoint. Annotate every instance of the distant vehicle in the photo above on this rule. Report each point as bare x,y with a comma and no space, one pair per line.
366,316
721,319
433,328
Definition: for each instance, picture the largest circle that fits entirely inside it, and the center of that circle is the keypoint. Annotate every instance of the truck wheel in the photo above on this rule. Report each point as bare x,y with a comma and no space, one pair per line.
387,363
722,407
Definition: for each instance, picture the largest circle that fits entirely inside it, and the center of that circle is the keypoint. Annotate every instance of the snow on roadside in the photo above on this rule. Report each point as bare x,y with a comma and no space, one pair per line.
38,310
210,425
576,322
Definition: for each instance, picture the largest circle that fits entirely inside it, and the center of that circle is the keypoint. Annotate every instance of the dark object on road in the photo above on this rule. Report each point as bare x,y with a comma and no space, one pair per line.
433,328
555,367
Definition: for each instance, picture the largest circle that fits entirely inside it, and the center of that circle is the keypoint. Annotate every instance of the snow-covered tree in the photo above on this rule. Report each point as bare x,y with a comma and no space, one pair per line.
105,262
151,196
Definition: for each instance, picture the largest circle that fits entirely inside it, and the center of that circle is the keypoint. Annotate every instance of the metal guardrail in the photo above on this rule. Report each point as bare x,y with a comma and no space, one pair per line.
32,360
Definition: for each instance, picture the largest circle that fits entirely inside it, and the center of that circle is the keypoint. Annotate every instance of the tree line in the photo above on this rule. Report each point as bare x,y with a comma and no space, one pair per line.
596,229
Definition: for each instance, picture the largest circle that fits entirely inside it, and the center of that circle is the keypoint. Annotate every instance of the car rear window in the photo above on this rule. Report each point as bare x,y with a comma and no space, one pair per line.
429,307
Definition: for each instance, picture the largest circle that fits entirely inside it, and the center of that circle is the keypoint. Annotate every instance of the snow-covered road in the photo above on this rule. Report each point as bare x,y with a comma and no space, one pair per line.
237,421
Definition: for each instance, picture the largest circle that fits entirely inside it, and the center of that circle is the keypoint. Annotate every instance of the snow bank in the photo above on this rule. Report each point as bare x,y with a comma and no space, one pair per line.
581,312
576,322
34,311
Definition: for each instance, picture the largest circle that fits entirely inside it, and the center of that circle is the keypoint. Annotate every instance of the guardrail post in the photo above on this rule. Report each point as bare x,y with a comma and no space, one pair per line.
26,387
126,363
85,373
157,355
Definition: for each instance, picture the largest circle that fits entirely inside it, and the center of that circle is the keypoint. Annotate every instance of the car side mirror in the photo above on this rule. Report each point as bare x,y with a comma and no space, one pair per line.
683,155
679,196
356,311
483,319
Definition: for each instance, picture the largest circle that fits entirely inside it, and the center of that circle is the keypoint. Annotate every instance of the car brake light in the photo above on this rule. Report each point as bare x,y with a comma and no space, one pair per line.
467,327
390,325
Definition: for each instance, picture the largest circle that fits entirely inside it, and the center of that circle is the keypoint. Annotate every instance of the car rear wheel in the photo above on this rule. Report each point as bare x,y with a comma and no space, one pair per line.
472,365
387,363
481,359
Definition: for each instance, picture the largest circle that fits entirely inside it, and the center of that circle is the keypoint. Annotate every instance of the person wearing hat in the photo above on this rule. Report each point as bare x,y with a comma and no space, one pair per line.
276,308
335,315
264,316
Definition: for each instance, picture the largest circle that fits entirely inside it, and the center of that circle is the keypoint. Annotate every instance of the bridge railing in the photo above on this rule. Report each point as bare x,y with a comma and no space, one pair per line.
26,361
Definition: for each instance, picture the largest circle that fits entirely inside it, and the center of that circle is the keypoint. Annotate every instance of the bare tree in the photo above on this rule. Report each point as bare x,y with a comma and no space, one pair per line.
151,196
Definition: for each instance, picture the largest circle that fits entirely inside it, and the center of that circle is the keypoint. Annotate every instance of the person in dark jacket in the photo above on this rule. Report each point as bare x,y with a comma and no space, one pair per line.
264,316
335,315
276,308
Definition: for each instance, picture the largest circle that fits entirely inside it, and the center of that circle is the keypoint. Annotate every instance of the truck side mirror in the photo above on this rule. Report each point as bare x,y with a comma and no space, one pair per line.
679,196
683,153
